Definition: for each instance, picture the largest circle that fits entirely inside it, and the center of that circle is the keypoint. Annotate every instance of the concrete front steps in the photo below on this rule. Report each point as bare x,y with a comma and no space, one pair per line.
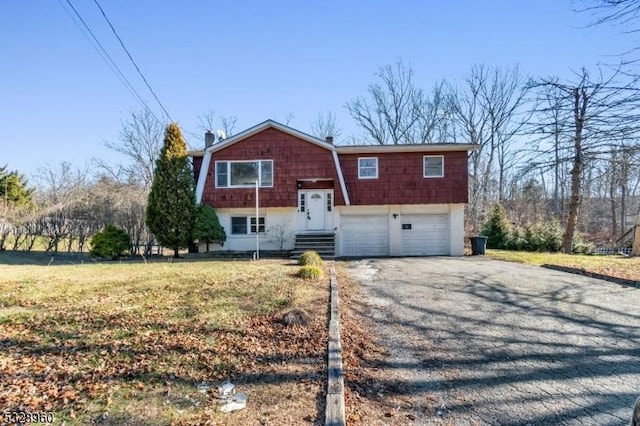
324,243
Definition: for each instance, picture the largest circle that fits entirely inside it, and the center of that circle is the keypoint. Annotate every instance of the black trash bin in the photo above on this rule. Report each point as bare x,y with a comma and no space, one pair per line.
478,245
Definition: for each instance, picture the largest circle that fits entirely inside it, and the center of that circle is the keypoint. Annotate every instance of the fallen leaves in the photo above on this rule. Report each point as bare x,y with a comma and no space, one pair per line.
63,358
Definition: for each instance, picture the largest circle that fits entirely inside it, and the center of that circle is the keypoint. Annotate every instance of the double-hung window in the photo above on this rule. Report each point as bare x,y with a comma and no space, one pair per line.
244,174
243,225
433,166
368,168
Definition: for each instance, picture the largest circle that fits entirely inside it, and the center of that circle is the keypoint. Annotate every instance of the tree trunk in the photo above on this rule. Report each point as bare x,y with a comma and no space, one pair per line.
614,213
635,251
580,106
623,208
556,188
574,202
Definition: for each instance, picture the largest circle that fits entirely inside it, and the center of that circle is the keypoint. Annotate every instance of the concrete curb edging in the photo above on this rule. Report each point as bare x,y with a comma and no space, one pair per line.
334,412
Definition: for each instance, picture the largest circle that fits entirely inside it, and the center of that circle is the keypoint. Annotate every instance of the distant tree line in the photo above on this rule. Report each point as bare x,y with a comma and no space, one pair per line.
67,206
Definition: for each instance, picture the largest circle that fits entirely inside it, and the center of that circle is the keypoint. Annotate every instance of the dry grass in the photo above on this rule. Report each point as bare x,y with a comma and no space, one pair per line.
129,343
622,268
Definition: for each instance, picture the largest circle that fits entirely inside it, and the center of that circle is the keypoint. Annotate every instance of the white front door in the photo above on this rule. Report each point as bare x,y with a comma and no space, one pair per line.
315,210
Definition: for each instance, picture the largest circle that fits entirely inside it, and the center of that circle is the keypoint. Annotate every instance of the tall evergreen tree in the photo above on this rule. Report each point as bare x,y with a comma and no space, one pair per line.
496,228
171,210
14,188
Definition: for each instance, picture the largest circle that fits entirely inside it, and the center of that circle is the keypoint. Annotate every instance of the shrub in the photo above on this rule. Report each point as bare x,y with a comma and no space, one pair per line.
516,240
310,272
207,228
581,246
550,236
310,258
496,228
542,236
112,242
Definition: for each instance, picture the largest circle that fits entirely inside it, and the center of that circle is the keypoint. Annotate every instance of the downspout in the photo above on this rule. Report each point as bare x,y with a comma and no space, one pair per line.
343,187
202,177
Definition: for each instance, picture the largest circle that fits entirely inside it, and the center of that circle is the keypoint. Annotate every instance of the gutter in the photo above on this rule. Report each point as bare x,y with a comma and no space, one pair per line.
343,187
202,177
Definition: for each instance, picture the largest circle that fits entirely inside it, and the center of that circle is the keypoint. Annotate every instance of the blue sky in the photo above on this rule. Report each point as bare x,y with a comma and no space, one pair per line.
256,60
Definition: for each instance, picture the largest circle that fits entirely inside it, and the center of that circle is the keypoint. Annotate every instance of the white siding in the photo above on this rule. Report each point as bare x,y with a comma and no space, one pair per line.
286,217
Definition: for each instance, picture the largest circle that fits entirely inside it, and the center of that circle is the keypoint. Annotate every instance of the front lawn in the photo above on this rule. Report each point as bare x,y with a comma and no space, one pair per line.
136,343
615,267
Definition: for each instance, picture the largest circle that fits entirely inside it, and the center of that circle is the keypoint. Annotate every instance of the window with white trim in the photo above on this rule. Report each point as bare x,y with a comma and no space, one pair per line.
244,174
433,166
368,168
243,225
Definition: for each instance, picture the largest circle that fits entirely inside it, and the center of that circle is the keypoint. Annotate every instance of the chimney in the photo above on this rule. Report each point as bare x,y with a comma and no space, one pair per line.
329,139
209,139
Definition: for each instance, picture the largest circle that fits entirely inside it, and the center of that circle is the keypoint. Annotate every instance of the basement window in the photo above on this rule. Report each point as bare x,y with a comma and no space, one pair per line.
243,225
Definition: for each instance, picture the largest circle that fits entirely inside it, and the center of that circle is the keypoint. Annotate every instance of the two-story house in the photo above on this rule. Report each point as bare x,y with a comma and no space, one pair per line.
375,200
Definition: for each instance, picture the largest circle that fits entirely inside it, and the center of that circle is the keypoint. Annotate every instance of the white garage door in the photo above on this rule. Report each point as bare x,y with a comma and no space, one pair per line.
364,235
425,235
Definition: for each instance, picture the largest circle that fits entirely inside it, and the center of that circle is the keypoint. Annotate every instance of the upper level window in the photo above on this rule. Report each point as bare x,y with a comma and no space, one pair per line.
244,174
433,166
368,168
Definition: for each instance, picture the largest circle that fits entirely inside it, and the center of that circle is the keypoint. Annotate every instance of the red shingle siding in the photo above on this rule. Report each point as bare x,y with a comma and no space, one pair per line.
197,163
293,159
400,179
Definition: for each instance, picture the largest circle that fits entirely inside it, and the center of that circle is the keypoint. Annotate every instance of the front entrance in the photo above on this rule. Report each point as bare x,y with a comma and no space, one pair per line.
314,209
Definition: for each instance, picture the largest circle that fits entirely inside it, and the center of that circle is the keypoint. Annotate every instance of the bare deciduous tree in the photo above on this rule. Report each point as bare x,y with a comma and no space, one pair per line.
392,109
622,12
279,234
603,111
325,126
227,124
397,111
140,143
488,112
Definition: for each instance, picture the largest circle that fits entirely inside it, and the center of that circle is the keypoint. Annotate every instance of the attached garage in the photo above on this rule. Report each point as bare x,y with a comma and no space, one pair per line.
364,235
425,235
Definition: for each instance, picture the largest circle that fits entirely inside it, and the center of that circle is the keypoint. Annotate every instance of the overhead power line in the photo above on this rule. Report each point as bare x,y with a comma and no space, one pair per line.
132,61
105,55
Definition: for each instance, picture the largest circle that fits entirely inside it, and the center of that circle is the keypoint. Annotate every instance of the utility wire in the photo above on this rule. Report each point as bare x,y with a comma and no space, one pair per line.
105,55
132,61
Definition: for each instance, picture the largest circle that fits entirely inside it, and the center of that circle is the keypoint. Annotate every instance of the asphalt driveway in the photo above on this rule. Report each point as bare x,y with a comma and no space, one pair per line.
477,341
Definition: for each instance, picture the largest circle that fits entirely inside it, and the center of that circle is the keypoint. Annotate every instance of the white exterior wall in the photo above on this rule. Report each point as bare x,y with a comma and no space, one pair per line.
289,215
274,216
456,229
455,213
